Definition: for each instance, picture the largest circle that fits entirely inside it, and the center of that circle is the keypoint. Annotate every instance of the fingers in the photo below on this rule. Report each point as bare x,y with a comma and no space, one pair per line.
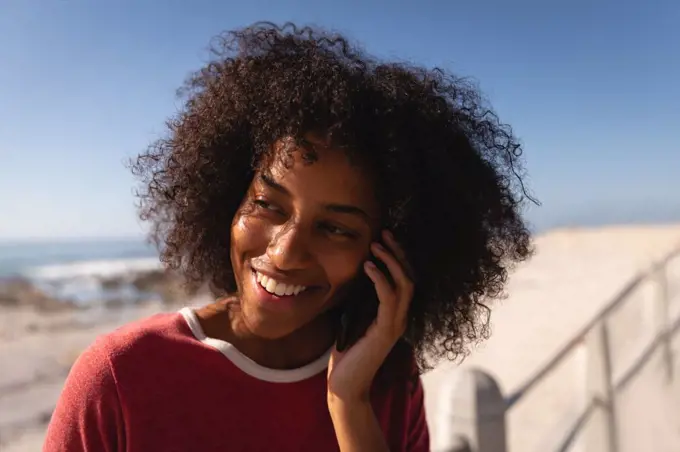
393,265
398,298
383,288
404,285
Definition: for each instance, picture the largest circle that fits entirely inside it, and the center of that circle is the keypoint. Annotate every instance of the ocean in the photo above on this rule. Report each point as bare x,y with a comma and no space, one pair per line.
74,269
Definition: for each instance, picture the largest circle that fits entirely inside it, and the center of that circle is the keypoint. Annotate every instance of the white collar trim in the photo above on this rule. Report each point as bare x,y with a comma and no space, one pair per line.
249,366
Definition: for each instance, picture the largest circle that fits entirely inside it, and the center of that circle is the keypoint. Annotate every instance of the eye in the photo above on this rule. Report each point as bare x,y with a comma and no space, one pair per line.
266,205
338,230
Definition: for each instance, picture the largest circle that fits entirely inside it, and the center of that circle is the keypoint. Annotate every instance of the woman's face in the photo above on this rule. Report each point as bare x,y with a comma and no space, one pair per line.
302,234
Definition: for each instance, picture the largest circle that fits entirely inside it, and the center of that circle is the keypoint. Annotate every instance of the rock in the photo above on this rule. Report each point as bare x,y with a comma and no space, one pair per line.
18,292
150,281
112,283
49,304
115,303
163,283
14,290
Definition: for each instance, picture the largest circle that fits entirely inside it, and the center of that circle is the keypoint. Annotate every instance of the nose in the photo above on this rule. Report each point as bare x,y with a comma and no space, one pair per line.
289,248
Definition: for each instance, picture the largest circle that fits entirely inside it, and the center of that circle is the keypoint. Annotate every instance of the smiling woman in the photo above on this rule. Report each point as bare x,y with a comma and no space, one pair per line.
352,218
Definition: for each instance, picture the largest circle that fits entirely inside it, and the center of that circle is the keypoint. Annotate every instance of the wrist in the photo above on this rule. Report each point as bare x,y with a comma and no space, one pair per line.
348,415
346,404
356,426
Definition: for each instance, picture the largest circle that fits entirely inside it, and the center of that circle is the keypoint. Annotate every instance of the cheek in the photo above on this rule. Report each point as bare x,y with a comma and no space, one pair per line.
341,268
248,236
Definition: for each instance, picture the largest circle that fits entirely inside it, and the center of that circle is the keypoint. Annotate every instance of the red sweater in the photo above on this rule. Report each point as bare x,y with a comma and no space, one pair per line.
160,385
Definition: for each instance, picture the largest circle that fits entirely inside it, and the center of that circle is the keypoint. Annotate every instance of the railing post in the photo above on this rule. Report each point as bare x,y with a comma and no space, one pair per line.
601,432
473,414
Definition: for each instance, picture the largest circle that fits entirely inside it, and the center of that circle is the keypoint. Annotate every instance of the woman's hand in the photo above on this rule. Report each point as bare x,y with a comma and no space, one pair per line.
351,373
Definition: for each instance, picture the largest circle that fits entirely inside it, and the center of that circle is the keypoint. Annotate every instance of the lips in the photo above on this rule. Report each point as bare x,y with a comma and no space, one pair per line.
277,288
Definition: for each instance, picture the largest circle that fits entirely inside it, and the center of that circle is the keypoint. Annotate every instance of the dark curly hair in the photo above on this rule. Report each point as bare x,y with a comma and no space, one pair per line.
448,173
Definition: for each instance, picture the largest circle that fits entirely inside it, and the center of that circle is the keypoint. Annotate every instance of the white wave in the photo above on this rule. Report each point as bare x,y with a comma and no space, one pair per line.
93,269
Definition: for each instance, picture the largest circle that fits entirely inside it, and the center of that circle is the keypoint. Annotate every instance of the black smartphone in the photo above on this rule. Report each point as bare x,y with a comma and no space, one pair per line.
360,307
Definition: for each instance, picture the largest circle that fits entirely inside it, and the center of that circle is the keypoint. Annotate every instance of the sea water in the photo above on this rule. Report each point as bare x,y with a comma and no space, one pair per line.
74,270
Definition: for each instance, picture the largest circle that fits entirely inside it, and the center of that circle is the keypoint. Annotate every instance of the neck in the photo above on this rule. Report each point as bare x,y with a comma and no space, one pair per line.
224,320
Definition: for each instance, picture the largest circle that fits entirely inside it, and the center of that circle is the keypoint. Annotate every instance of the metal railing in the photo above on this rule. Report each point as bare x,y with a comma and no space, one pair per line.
476,409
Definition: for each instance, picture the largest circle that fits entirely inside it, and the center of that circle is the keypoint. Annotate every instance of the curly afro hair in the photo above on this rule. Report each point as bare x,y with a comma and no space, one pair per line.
448,173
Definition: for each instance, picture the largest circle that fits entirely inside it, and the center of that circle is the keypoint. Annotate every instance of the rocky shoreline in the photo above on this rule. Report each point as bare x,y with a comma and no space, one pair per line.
160,285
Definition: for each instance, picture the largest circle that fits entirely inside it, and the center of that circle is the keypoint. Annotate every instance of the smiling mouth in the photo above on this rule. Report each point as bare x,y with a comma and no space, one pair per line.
277,288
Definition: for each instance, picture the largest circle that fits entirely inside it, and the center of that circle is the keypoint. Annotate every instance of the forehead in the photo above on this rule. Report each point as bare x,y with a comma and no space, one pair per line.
328,177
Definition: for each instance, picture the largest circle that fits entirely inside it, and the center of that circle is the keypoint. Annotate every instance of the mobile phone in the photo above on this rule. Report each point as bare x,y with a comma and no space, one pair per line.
360,307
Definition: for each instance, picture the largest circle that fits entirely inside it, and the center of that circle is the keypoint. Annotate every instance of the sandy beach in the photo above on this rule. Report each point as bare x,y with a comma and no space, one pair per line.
574,273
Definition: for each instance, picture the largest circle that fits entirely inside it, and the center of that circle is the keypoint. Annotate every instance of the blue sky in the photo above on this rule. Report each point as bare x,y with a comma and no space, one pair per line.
591,88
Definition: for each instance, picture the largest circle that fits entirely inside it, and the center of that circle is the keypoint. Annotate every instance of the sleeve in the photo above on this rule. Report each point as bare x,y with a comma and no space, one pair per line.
418,439
88,415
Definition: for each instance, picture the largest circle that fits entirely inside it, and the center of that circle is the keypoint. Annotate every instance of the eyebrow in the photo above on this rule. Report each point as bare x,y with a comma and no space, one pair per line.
268,180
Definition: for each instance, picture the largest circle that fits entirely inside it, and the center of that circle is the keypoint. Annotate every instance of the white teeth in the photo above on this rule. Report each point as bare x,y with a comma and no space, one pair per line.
280,289
271,286
277,288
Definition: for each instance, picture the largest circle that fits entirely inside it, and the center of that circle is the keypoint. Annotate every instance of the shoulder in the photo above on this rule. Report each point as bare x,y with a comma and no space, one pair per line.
132,341
142,339
156,329
130,352
89,413
399,400
399,376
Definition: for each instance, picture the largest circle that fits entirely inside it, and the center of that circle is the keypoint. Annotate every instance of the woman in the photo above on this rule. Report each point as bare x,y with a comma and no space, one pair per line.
350,216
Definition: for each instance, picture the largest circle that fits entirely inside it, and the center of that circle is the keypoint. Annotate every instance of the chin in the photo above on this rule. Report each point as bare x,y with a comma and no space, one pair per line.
276,318
271,322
